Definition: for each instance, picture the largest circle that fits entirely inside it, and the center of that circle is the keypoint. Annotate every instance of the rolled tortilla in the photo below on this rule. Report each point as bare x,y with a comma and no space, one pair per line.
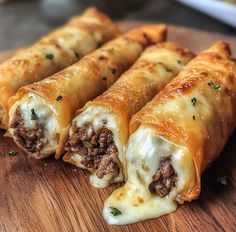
99,134
41,113
175,137
60,49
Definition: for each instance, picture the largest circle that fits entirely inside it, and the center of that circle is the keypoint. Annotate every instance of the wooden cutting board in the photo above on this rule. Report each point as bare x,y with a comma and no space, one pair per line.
49,195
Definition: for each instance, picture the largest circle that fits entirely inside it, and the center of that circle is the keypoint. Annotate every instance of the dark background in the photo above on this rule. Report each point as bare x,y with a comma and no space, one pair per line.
22,22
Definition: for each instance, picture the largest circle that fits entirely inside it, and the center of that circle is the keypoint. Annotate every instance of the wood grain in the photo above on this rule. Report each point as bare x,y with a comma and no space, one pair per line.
50,195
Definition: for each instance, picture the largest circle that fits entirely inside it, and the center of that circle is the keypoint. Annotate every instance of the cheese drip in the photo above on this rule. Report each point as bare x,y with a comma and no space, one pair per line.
134,201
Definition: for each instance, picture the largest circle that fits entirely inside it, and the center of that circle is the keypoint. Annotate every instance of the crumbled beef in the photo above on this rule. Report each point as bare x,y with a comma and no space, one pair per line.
107,165
164,178
96,147
32,139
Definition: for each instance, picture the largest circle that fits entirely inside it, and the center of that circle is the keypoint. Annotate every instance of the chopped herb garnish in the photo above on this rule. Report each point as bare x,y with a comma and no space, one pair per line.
115,211
194,117
104,78
34,116
12,153
179,62
77,55
113,70
222,180
58,98
194,101
214,85
49,56
166,68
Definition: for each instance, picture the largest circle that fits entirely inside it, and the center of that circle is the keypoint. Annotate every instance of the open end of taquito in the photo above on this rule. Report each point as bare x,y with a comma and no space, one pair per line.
52,53
175,137
99,133
40,113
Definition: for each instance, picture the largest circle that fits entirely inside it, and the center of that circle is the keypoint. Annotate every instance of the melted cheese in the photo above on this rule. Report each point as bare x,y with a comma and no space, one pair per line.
183,109
99,117
45,115
134,200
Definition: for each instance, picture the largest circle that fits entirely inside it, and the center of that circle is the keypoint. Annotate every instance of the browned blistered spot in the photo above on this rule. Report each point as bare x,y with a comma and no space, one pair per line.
183,52
150,67
184,88
131,38
102,57
231,78
217,56
58,46
140,200
145,36
90,28
20,62
145,168
121,194
204,74
54,42
37,66
147,39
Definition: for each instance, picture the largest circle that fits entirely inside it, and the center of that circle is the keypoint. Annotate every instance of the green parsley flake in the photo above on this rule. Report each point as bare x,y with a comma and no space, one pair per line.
34,116
194,101
214,85
179,62
104,78
12,153
115,211
59,97
49,56
222,180
166,68
194,117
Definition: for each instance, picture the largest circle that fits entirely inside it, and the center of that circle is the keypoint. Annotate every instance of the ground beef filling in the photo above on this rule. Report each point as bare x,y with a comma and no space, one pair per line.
164,178
32,139
97,149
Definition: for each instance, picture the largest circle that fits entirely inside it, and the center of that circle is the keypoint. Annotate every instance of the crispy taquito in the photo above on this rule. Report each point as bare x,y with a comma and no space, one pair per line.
175,137
56,51
40,113
99,133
